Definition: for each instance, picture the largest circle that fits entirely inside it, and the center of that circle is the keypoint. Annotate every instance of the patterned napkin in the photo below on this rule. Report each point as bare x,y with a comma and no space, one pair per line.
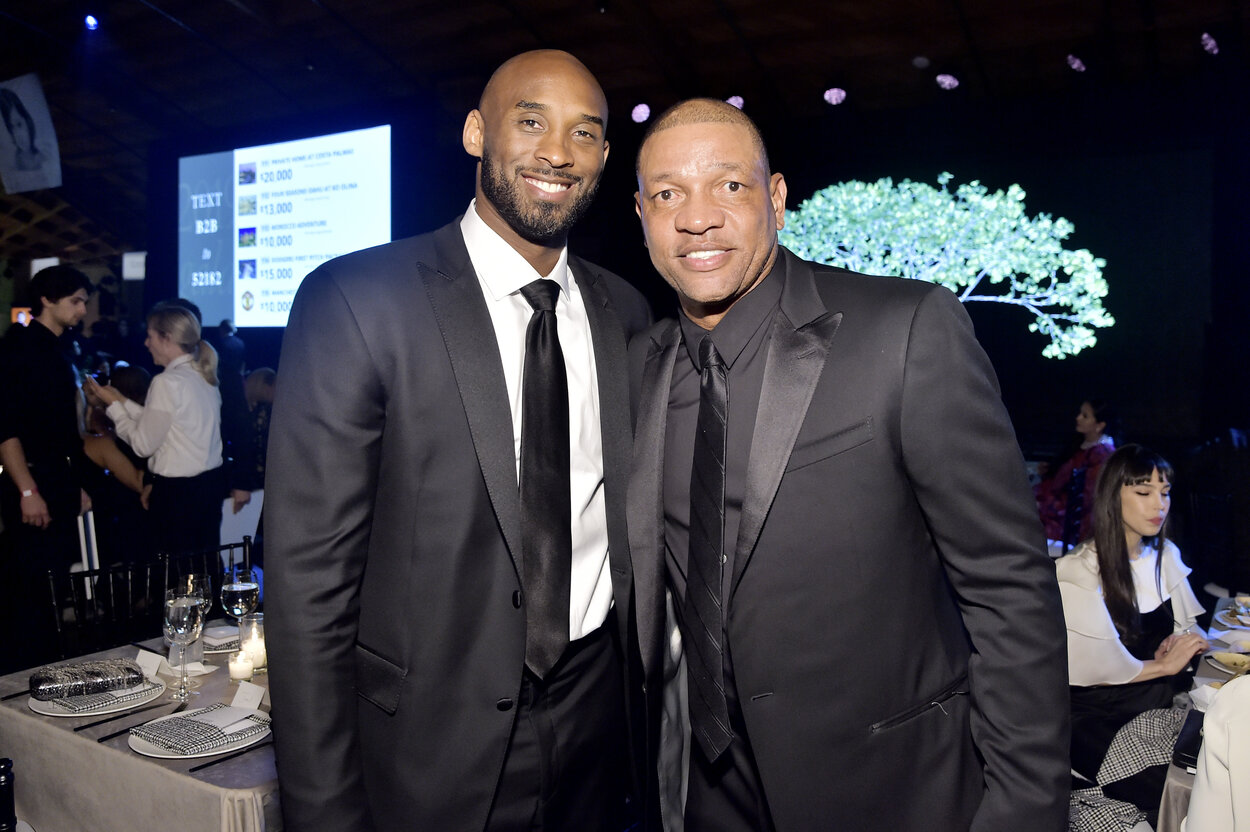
221,638
196,733
92,701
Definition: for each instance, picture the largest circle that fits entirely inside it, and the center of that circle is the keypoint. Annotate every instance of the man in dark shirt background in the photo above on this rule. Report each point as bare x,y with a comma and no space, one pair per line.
41,451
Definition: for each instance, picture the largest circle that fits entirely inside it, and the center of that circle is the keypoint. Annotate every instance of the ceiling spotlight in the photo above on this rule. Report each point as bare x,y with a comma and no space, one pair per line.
91,23
640,113
1209,44
947,82
1076,63
735,100
835,95
920,62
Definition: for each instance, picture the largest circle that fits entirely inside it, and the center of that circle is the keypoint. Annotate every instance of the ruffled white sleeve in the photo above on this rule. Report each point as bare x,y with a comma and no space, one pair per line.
1095,654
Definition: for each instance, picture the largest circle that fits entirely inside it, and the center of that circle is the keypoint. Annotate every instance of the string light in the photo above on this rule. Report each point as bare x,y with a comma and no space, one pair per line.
640,113
835,95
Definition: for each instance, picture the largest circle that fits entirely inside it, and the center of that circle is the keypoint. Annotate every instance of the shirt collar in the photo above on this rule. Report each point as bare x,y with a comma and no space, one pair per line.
500,267
182,359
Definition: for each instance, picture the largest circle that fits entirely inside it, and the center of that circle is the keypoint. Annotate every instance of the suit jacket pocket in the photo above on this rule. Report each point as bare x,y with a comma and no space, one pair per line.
831,444
378,680
939,700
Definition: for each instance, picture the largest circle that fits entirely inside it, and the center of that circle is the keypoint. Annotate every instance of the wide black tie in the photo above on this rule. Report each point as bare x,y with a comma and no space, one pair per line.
546,524
702,611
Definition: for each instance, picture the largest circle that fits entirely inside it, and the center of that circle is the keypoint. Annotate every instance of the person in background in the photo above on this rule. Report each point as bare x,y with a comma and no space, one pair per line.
120,494
41,492
259,388
1131,619
238,446
178,429
1096,423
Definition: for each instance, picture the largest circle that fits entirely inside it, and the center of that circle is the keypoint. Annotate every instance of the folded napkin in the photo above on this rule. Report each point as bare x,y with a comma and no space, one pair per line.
81,678
226,639
195,733
1202,696
92,701
193,668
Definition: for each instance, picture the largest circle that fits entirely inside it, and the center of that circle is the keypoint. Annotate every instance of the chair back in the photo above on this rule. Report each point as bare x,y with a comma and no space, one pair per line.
1074,508
96,609
210,562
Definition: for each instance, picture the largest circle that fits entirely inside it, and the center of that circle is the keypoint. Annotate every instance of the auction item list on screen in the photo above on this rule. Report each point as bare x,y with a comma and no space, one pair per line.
288,208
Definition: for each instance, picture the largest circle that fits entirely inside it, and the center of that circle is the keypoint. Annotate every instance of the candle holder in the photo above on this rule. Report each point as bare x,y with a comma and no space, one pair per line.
252,639
240,667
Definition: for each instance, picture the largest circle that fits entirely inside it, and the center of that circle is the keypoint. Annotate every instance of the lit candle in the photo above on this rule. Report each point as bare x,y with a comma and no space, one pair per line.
241,667
255,649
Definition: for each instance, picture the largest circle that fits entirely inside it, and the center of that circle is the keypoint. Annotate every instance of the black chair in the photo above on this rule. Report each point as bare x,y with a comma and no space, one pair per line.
209,562
101,608
1074,509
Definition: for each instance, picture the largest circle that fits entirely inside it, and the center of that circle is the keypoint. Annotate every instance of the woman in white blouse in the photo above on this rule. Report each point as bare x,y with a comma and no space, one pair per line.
179,429
1130,613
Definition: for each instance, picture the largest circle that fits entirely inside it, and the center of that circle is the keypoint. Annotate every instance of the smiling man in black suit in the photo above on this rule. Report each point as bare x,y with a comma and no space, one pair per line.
445,510
830,489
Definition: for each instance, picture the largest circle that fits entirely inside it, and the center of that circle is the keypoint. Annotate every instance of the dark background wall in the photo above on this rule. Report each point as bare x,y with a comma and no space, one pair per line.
1153,179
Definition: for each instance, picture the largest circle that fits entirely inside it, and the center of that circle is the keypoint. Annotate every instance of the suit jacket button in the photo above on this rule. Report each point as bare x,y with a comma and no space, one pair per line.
516,599
504,704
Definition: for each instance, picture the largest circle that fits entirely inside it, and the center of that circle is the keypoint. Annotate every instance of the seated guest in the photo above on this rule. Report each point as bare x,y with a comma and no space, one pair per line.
1129,612
1095,422
1216,804
178,427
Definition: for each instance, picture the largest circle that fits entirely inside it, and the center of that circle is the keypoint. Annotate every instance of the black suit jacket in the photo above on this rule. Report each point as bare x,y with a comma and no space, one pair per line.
894,621
393,526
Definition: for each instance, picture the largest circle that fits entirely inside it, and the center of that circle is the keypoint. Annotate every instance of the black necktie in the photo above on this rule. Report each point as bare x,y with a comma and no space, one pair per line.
546,524
701,612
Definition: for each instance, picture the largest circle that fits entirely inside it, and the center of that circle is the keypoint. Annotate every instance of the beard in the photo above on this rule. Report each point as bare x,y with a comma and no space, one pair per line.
541,223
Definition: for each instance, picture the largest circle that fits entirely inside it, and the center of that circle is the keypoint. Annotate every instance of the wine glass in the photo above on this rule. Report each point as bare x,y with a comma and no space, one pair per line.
195,585
240,590
184,622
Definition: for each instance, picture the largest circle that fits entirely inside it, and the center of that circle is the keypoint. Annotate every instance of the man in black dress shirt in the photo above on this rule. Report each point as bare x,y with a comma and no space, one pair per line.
41,450
828,486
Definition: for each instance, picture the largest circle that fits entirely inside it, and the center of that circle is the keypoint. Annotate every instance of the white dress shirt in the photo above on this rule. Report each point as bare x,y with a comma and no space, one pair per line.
502,271
179,426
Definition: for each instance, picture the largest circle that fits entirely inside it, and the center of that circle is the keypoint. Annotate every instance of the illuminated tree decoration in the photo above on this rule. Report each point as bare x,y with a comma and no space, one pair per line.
980,245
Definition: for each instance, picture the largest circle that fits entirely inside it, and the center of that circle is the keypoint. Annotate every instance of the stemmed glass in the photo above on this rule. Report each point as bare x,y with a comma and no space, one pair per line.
195,585
240,590
184,622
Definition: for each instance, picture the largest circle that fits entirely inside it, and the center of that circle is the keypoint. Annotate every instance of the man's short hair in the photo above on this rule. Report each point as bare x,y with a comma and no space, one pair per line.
54,283
704,111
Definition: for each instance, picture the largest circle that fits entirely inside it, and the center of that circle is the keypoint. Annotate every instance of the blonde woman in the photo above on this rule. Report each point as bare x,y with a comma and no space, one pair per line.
179,429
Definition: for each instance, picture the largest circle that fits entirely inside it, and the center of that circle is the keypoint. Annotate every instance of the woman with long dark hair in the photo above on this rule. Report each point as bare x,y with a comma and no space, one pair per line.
1130,617
179,429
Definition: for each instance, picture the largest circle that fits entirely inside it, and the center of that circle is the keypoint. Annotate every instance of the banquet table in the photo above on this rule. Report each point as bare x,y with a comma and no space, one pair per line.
69,781
1180,783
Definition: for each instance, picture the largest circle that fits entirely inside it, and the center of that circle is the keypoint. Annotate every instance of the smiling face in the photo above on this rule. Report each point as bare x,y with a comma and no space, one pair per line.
710,214
540,135
1144,507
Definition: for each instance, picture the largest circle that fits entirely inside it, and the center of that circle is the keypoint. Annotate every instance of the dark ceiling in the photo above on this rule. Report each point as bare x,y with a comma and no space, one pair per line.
158,69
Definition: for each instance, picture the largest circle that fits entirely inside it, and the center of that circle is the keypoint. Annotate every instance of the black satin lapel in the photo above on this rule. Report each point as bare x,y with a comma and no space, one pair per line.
645,505
795,361
464,321
611,371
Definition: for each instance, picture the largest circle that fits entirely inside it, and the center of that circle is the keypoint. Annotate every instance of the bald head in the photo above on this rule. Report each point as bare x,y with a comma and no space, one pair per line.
539,63
704,111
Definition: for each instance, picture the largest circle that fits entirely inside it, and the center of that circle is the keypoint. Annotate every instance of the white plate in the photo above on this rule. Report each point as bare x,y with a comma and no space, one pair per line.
1211,660
50,708
147,749
1226,618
